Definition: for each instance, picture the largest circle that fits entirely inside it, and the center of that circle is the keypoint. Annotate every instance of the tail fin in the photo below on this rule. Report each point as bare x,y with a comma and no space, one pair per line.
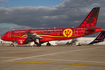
91,20
99,38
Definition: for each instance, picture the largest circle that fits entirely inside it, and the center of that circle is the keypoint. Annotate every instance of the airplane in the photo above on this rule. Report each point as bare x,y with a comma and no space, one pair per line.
99,38
84,40
89,40
39,36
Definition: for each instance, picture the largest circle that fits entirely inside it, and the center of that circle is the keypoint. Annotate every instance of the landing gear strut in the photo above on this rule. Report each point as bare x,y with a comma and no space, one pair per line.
38,44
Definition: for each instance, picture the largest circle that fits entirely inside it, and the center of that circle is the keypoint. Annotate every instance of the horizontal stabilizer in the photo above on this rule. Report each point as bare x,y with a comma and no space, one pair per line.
89,31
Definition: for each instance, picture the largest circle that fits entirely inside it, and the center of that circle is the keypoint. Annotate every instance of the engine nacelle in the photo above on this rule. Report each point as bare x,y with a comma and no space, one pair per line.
21,41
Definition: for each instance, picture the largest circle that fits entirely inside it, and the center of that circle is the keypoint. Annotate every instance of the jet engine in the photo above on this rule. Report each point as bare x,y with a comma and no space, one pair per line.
21,41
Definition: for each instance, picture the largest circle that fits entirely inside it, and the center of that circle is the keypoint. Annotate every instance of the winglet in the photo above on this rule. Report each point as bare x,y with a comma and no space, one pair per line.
99,38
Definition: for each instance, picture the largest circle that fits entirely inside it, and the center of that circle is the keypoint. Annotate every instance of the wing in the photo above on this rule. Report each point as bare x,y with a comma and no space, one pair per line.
31,37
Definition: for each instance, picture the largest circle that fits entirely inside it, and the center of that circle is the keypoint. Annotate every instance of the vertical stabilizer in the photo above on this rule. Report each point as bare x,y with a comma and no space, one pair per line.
99,38
91,20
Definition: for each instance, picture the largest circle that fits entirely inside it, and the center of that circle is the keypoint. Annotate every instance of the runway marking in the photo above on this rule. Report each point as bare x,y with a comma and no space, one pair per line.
50,54
69,60
61,60
53,63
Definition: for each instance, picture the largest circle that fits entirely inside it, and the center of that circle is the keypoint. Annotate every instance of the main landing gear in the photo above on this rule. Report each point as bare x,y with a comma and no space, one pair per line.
48,44
38,44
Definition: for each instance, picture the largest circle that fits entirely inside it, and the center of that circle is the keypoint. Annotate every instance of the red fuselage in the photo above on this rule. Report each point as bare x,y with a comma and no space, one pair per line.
50,34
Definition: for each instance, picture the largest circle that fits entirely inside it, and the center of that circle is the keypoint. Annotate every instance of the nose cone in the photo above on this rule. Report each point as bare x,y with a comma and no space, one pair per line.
2,37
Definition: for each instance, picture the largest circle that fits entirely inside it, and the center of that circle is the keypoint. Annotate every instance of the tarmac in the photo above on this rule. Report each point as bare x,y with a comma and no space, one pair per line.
52,58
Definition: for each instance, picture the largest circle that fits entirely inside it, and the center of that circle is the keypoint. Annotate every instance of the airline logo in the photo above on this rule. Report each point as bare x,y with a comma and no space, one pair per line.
67,32
21,42
100,37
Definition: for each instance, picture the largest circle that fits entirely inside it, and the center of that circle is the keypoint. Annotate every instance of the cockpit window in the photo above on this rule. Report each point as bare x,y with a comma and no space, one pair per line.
5,34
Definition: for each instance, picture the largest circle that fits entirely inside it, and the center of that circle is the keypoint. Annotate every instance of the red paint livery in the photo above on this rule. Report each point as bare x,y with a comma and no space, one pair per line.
39,36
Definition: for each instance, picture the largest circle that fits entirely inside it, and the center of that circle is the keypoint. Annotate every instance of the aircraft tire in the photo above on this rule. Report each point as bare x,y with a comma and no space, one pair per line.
12,45
38,45
48,44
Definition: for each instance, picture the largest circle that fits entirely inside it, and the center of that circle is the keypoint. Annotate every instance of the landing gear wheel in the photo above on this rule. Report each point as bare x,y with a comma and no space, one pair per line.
12,45
48,44
38,45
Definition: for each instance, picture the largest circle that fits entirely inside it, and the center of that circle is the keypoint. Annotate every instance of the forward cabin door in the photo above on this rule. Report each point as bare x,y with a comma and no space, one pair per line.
9,34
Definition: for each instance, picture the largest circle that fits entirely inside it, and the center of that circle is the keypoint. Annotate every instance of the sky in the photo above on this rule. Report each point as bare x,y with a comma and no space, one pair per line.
33,14
32,3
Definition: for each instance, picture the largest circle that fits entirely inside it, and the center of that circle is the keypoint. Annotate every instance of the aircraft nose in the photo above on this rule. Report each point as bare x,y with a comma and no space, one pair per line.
2,37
